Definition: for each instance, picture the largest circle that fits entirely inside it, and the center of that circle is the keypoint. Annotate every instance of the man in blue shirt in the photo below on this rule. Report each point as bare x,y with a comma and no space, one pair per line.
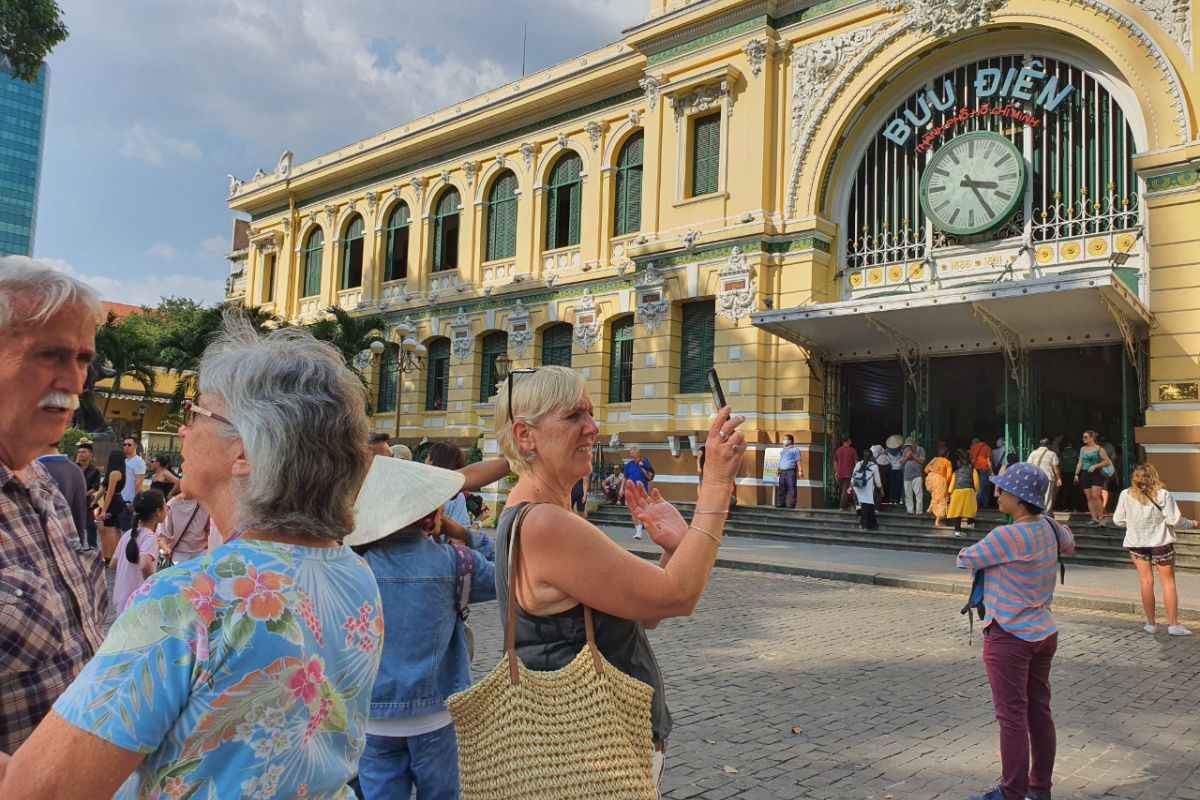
637,470
789,470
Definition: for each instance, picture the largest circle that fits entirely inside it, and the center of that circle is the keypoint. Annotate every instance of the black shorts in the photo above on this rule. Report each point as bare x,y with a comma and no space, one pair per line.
1089,480
118,516
1162,555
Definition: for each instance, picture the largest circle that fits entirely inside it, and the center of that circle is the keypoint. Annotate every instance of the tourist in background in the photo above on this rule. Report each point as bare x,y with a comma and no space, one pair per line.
1045,459
401,451
912,464
135,471
1091,475
1068,497
981,461
183,534
883,465
1020,566
789,471
867,483
84,456
449,456
1150,517
137,550
111,511
844,459
426,656
72,485
964,493
938,475
162,477
893,482
612,484
637,470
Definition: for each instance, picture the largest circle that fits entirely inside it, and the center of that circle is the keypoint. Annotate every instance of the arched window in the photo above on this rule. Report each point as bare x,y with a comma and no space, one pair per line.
620,364
494,346
396,266
445,232
556,345
502,218
389,381
563,202
628,216
696,356
437,375
352,254
313,250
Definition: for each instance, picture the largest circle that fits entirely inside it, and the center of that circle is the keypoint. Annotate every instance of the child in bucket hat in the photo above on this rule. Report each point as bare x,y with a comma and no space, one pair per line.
426,587
1018,565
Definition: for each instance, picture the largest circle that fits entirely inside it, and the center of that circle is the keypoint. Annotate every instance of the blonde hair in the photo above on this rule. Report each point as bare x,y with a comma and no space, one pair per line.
1145,484
534,395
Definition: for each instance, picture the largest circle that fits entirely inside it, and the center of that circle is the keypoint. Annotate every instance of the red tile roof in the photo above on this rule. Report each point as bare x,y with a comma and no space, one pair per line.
122,310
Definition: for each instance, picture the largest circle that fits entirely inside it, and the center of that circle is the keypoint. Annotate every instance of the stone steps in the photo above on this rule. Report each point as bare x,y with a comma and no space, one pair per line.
1096,546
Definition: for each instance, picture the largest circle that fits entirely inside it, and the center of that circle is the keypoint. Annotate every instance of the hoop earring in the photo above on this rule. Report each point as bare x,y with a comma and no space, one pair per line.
531,455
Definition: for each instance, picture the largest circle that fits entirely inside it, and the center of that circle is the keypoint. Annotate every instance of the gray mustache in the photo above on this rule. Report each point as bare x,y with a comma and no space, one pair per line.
59,400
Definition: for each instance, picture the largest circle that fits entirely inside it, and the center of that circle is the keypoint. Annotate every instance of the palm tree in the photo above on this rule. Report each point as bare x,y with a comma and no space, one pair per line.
349,334
127,353
182,349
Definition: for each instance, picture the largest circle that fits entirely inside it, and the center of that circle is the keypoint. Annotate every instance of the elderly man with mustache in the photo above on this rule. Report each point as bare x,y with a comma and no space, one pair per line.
53,598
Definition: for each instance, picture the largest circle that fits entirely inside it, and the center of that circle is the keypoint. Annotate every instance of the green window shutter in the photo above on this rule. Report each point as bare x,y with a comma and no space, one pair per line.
706,153
312,263
494,345
397,244
352,254
444,225
502,218
388,383
620,364
556,345
563,202
628,212
437,376
696,356
269,279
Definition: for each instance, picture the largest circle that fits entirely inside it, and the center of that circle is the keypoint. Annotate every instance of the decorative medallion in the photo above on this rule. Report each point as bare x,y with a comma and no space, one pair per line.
652,305
651,86
445,177
690,238
895,273
520,336
1069,251
1097,248
737,288
756,51
587,322
875,277
942,18
461,341
469,169
856,280
916,271
635,119
528,151
501,160
1044,254
562,140
1125,242
352,206
284,167
330,214
418,187
595,129
312,217
372,201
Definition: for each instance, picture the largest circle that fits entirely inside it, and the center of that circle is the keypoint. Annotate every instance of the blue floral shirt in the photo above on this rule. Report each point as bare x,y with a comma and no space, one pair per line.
244,673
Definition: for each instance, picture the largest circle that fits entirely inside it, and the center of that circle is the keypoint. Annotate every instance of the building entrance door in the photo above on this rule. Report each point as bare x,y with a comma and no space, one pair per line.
874,401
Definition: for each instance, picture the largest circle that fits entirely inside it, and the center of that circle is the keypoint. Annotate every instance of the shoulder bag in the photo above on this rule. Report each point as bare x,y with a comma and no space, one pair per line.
582,731
164,559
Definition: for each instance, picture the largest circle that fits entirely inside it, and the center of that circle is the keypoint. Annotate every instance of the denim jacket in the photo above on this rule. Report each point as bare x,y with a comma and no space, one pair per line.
424,658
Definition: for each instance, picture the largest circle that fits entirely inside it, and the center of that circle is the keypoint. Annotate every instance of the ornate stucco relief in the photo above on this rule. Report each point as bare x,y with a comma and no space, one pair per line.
737,288
461,341
520,336
943,18
1174,16
652,305
587,322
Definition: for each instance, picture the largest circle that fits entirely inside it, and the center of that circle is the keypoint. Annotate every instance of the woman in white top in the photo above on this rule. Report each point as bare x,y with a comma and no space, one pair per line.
1150,516
865,481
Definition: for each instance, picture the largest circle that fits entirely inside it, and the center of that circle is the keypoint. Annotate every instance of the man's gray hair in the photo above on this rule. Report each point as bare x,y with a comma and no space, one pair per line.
31,292
301,415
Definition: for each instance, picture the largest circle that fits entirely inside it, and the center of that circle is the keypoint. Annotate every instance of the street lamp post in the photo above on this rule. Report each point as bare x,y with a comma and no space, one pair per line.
409,359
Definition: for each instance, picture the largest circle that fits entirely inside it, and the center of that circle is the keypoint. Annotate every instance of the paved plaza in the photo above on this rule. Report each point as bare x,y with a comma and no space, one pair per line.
795,687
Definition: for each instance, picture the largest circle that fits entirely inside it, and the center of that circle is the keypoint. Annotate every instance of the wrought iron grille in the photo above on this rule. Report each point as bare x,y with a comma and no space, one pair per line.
1080,157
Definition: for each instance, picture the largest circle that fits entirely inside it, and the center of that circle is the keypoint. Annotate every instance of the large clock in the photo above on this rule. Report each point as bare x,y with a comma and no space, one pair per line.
973,183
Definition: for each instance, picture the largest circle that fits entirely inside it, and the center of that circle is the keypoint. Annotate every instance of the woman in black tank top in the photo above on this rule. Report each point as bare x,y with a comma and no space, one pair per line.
163,478
546,430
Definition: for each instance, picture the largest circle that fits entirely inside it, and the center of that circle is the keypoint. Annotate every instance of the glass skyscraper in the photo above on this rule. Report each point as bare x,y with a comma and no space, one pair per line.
22,134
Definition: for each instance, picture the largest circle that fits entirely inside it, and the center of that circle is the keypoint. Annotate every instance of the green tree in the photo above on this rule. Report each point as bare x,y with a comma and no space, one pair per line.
126,351
349,334
182,344
29,30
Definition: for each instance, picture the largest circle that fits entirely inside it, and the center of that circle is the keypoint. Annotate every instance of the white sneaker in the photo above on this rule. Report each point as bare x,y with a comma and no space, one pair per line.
1178,630
1150,628
637,534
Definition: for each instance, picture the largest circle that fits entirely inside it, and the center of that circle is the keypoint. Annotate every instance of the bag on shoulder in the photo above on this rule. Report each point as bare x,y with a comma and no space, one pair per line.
580,731
859,478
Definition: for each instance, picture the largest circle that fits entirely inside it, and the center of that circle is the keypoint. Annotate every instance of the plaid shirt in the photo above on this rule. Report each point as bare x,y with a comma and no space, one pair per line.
53,601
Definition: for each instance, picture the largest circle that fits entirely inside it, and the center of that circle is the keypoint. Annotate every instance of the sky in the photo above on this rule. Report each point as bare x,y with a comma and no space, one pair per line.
152,104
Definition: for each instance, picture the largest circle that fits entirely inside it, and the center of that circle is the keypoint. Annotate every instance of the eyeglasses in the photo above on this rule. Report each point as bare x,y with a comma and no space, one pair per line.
190,410
521,371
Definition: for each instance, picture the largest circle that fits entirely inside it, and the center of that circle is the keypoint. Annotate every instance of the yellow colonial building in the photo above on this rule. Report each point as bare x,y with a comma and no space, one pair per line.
956,219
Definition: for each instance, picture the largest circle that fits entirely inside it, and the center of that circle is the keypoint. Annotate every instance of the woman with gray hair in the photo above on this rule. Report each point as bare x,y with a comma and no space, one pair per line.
546,429
240,673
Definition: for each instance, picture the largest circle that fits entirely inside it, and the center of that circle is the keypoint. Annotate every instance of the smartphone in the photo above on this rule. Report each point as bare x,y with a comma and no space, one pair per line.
714,383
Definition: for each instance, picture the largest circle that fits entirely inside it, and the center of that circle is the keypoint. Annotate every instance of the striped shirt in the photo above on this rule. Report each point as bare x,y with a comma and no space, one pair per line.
1022,566
53,601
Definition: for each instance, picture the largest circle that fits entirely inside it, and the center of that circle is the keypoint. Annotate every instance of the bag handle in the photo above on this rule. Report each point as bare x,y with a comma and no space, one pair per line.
183,530
510,632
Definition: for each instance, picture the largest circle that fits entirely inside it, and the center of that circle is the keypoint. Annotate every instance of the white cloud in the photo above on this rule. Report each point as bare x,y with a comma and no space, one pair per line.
143,144
160,250
138,291
217,246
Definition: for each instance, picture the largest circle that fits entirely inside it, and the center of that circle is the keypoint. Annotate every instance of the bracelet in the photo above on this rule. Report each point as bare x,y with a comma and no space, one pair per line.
725,512
710,535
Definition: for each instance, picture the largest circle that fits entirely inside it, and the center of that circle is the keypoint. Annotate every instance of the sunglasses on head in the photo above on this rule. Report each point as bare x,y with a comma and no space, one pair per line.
521,371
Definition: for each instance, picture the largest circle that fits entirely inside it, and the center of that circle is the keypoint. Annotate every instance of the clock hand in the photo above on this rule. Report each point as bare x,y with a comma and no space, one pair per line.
970,184
979,196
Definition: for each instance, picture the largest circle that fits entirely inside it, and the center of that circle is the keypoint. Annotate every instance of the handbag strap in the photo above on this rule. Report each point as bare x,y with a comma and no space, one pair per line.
183,530
510,632
466,570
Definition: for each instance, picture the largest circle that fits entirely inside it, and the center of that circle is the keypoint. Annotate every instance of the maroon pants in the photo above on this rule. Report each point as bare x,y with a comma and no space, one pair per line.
1019,674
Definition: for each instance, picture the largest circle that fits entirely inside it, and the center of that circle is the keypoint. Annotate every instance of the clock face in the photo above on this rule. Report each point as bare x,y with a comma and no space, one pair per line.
973,183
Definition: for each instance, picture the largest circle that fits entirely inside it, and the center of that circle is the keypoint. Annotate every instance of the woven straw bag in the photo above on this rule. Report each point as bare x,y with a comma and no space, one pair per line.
581,732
